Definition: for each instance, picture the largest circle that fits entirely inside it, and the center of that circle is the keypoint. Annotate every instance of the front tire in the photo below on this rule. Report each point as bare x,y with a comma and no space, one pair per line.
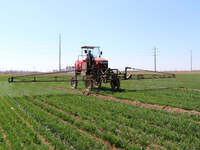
98,84
74,83
88,84
115,84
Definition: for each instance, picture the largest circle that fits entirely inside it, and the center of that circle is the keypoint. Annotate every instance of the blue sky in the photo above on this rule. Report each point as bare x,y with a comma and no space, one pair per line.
126,30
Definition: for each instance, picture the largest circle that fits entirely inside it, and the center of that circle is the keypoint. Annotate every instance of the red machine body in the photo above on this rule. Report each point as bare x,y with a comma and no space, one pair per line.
94,69
79,64
100,63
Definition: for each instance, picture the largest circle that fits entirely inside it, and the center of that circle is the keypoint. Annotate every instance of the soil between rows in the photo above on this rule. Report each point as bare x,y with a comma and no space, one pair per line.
163,87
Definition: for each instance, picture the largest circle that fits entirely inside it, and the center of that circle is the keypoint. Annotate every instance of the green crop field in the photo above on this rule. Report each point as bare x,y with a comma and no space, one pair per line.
40,116
181,92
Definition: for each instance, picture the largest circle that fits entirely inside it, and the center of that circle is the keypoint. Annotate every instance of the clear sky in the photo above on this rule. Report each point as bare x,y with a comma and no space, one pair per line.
126,30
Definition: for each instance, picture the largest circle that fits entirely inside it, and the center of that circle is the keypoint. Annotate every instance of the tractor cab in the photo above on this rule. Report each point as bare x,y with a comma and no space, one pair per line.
92,51
90,59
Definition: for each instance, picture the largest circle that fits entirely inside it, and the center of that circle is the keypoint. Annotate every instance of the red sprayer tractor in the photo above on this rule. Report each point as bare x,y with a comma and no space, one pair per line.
94,69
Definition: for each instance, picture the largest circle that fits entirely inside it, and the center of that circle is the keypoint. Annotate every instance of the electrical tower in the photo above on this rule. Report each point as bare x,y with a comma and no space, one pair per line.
59,52
155,58
191,61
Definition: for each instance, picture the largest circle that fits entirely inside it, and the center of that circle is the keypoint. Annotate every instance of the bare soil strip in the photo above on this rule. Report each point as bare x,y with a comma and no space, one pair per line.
5,137
154,106
162,87
80,130
152,87
187,89
30,126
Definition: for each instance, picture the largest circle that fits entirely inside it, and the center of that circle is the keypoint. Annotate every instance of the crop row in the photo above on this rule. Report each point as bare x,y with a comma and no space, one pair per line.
84,126
119,134
19,135
127,123
99,129
65,132
52,138
121,125
3,144
34,89
181,80
106,136
168,97
156,122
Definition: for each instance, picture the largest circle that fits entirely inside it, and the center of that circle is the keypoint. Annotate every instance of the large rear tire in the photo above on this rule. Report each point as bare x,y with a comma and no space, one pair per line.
98,84
74,83
89,84
115,84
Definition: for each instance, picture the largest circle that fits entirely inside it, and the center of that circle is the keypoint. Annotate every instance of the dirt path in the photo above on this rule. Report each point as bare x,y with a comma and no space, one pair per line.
162,87
152,87
187,89
154,106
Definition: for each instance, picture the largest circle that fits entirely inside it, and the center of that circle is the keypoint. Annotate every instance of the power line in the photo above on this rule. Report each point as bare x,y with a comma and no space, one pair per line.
155,54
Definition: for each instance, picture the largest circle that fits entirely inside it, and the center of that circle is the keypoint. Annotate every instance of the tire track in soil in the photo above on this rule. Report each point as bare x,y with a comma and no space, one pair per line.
31,127
152,87
80,130
188,89
126,101
162,87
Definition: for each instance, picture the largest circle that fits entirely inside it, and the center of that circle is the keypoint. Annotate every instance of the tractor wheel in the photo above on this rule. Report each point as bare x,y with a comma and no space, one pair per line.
98,84
88,84
74,83
115,84
105,80
84,77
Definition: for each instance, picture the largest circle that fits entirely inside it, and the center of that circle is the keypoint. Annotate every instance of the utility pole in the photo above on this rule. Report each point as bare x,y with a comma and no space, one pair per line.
191,61
155,59
59,52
